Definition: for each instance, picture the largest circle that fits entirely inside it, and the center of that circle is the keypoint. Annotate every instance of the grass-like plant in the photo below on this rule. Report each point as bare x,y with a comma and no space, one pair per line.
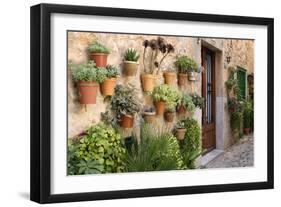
131,55
185,64
96,47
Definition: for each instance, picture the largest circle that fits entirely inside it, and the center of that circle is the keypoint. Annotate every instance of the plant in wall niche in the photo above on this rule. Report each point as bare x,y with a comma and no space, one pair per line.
198,101
151,62
185,104
131,58
191,144
186,66
180,130
125,104
170,76
88,77
108,85
98,53
164,94
248,117
98,151
155,152
149,114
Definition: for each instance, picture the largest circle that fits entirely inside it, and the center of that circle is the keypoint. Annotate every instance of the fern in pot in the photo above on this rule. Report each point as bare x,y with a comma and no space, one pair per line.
130,62
125,105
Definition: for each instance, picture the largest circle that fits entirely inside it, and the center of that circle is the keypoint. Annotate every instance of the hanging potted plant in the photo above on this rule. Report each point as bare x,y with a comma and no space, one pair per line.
131,62
180,130
186,68
169,114
170,76
108,85
149,115
185,104
162,95
98,53
125,105
151,62
198,101
88,77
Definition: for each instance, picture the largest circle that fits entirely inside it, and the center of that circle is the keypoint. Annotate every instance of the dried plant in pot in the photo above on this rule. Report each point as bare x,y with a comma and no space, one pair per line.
125,105
185,104
180,130
98,53
169,114
130,63
186,68
155,51
149,114
108,85
170,76
88,77
164,94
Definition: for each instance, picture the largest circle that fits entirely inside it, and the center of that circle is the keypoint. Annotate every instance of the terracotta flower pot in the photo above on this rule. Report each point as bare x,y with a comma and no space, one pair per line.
182,79
127,121
88,92
247,131
169,116
149,117
180,133
99,58
181,109
148,81
130,68
160,107
169,78
191,76
107,86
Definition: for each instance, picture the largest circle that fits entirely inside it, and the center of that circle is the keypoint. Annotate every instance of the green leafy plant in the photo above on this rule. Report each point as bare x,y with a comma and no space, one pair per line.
187,102
155,152
180,125
191,145
236,119
96,47
131,55
124,101
234,105
98,150
185,64
88,72
167,94
248,115
112,71
198,101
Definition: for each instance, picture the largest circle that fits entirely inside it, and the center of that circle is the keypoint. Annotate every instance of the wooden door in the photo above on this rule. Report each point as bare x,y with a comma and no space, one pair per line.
209,94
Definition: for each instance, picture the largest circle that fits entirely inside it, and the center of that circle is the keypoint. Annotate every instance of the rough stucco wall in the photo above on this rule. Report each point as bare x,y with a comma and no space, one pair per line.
80,117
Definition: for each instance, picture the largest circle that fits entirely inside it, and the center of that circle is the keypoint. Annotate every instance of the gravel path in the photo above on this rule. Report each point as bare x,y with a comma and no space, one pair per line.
240,154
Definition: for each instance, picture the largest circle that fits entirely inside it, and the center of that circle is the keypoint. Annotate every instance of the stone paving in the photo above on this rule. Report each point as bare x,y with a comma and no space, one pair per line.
240,154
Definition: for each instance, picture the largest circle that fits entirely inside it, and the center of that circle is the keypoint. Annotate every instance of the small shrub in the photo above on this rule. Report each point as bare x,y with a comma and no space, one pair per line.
166,94
236,119
187,102
185,64
96,47
131,55
198,101
248,115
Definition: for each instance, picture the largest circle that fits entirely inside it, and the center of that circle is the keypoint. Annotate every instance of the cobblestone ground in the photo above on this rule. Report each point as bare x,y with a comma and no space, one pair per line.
240,154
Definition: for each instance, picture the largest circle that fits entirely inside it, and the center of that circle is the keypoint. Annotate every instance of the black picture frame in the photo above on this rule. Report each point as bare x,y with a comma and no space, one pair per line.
41,99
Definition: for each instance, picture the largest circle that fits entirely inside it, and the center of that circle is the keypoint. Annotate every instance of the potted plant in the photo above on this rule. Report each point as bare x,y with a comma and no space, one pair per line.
180,130
108,85
186,104
88,77
98,53
149,115
247,118
170,76
131,62
125,104
186,66
162,95
152,60
169,114
198,101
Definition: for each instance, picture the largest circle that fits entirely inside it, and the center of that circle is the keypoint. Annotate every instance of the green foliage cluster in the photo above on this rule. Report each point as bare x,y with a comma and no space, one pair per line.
112,71
155,152
96,47
198,101
88,72
191,145
248,115
125,101
167,94
236,119
131,55
187,102
185,64
99,150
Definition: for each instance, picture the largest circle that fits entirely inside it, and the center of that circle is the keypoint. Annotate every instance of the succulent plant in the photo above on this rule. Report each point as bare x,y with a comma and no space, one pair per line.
131,55
97,47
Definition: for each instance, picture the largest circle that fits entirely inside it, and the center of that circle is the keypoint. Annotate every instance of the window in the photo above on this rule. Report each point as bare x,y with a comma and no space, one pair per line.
242,83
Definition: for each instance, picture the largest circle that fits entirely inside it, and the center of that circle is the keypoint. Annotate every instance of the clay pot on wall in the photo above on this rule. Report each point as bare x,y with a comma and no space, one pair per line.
192,76
99,58
160,107
127,121
149,117
148,82
130,68
181,109
179,133
169,116
182,79
169,78
107,86
88,92
247,131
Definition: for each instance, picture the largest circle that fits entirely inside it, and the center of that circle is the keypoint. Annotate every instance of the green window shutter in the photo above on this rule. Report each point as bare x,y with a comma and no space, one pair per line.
241,78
